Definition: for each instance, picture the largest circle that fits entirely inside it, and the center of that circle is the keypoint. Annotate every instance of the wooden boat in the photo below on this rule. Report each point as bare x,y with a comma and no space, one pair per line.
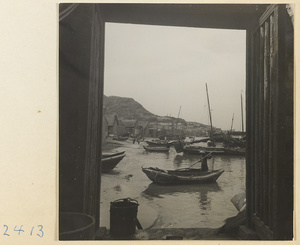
189,150
181,176
109,163
172,137
158,143
121,138
111,154
197,150
235,151
202,150
156,149
200,140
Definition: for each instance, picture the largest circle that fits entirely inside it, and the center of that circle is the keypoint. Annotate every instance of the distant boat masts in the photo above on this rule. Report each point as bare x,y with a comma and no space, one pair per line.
211,127
232,122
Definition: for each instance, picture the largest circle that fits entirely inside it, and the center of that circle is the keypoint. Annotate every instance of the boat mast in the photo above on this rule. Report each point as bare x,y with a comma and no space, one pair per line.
242,112
232,123
178,116
179,112
211,128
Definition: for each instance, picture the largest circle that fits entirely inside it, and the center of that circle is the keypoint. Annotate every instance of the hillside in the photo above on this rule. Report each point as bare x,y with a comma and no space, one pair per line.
128,108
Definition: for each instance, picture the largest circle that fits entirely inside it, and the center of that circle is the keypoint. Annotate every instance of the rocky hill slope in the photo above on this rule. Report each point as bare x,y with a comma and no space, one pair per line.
128,108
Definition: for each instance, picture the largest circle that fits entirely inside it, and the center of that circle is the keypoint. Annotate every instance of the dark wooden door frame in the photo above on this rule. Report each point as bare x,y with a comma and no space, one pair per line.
92,181
270,125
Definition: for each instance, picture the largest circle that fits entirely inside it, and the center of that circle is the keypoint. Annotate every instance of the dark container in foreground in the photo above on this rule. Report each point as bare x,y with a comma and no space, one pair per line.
123,217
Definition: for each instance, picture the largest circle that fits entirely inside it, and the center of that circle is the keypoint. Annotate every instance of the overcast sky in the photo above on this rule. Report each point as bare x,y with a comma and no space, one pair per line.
164,68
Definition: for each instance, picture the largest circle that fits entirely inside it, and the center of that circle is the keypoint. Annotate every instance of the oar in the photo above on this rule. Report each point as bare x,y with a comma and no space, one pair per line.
197,161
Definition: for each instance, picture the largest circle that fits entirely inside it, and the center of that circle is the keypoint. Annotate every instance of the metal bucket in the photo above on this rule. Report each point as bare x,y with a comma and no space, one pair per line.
123,217
76,226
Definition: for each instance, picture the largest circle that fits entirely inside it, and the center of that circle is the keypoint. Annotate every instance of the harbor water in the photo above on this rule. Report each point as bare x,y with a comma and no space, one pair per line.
180,206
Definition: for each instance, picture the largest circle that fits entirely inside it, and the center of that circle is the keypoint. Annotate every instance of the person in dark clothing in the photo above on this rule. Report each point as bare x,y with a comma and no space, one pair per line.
204,166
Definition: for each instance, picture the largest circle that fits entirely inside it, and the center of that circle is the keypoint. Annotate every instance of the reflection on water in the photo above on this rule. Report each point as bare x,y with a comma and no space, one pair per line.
180,206
229,159
201,191
159,155
179,159
154,190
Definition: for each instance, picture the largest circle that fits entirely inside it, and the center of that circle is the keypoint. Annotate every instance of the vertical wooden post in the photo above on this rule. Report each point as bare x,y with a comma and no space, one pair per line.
251,119
242,112
271,139
94,124
265,125
284,129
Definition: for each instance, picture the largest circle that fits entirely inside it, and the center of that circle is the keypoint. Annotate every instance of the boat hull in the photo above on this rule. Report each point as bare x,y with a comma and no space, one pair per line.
109,163
157,143
156,149
171,177
111,154
235,152
202,150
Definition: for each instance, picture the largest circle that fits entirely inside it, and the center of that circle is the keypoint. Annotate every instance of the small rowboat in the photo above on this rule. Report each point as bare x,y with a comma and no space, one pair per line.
120,138
201,150
156,149
193,151
158,143
181,176
109,163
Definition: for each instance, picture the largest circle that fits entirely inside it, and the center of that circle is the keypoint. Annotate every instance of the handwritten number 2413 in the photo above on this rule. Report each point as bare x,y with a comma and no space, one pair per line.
39,233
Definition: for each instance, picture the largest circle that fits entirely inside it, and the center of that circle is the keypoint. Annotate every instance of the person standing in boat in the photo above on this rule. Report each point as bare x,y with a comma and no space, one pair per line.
204,166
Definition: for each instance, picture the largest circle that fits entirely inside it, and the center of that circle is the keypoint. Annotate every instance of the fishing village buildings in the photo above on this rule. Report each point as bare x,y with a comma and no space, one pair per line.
117,128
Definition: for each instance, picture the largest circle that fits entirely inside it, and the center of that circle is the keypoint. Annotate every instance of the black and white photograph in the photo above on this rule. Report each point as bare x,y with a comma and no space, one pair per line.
176,121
